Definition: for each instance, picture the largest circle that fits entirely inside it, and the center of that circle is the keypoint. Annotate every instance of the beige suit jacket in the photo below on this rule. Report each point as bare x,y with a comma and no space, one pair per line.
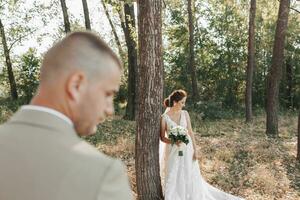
42,158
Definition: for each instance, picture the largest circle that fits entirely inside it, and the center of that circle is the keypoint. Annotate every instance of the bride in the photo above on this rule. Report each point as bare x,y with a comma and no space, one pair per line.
182,178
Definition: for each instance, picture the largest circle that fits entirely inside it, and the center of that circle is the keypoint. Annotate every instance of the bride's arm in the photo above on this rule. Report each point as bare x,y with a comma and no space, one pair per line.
190,130
162,131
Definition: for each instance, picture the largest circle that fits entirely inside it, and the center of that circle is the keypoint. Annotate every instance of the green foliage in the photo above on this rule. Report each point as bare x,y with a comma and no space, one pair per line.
175,56
120,99
4,87
292,58
8,107
109,131
211,110
221,33
220,41
221,36
28,77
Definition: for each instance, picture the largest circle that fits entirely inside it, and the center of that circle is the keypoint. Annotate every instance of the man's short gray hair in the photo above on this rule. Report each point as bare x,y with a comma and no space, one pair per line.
82,50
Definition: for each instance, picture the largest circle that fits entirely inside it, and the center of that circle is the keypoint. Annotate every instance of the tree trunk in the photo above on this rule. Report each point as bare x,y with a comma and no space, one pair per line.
298,149
150,97
11,77
251,62
275,72
289,81
66,17
113,29
195,93
129,32
86,15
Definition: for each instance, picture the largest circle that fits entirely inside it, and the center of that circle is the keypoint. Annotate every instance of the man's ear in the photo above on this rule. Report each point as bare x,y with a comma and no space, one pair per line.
76,84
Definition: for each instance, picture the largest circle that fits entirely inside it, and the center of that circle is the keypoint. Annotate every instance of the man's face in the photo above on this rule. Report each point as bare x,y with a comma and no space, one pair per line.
97,102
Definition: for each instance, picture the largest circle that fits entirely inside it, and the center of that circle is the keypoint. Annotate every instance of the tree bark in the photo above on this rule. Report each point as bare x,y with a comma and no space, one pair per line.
66,17
11,77
150,97
113,29
298,149
195,93
275,72
251,62
289,81
86,15
128,26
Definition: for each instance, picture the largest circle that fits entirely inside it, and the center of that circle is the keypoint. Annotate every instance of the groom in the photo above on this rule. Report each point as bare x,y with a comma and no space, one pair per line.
41,154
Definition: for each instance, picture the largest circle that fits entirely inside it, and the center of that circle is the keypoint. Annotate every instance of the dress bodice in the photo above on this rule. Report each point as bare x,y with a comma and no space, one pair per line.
170,123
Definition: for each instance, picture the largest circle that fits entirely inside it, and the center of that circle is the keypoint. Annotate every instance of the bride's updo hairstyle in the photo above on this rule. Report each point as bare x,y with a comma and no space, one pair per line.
175,96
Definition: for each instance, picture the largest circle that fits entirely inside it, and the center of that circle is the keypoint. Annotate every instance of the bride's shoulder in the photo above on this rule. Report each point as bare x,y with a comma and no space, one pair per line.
162,116
165,114
186,113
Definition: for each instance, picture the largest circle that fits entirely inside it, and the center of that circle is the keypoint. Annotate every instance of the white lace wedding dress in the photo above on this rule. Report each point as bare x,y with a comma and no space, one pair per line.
182,178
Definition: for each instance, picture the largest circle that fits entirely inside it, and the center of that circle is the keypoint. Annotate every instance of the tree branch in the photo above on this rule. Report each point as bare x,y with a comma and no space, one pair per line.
19,39
164,3
293,8
3,4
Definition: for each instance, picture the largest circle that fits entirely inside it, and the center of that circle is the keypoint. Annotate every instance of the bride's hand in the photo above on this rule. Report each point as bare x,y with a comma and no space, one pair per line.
178,143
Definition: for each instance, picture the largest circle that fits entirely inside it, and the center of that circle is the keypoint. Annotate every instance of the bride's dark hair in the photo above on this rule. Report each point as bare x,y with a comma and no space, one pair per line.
176,96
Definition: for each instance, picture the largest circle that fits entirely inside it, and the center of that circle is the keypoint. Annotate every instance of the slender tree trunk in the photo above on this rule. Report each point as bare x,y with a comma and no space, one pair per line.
113,29
11,77
150,97
275,72
195,93
86,15
289,80
251,61
66,17
298,149
129,32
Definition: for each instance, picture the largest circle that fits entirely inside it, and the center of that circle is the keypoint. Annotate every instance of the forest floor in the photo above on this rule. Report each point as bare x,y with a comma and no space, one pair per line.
233,156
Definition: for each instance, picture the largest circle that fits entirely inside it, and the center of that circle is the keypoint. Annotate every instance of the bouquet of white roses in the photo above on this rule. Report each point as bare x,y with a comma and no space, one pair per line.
178,133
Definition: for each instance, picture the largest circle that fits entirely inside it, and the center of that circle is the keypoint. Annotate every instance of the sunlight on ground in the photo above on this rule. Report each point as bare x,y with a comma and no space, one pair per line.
234,157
